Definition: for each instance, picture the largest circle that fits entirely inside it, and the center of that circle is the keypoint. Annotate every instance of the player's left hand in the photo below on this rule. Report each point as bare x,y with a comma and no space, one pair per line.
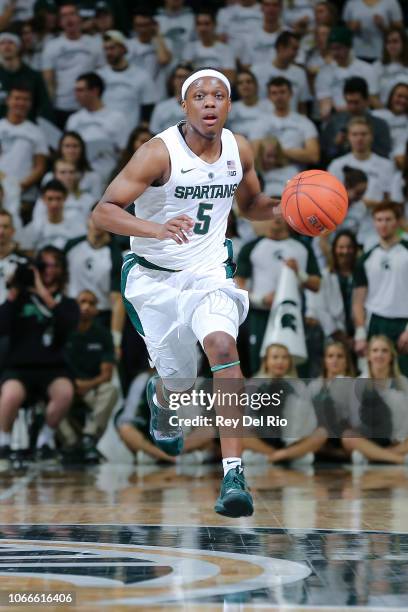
402,342
292,264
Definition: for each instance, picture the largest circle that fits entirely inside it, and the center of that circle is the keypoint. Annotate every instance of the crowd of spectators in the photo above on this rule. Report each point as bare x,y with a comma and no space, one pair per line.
315,84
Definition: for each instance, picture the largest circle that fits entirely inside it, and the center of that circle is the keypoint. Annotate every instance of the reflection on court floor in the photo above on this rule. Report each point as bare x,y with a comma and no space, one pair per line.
123,538
111,565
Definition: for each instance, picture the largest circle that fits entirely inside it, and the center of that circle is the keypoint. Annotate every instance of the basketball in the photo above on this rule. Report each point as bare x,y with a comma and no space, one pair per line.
314,202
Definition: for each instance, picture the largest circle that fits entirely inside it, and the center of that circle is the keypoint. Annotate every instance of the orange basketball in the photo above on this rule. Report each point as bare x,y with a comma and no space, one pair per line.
314,202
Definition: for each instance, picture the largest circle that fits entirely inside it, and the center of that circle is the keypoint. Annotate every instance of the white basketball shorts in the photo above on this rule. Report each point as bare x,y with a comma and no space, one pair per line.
174,310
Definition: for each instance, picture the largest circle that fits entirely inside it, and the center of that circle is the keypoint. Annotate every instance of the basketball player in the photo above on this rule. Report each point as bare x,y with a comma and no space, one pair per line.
177,281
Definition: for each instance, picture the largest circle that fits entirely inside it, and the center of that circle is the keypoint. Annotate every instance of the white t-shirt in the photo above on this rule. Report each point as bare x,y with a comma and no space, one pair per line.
76,209
292,131
243,119
397,191
219,56
68,59
368,40
260,48
238,21
379,171
23,9
165,113
297,9
275,180
18,145
105,134
127,91
36,236
144,55
398,125
265,71
331,78
389,75
178,28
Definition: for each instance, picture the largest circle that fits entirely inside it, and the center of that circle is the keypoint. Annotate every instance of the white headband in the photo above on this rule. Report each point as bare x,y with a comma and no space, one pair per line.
200,74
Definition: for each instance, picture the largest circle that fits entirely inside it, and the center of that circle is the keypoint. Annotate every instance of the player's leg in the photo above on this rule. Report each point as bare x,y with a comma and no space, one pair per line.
215,324
13,394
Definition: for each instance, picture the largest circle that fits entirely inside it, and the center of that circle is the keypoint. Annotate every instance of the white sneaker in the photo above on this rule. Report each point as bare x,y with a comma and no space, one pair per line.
358,458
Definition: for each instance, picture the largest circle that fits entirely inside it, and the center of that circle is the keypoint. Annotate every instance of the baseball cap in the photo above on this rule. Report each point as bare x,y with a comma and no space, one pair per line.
12,37
117,37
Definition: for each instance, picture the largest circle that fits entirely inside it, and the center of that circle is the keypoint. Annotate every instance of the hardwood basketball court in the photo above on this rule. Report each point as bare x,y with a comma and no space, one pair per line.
121,537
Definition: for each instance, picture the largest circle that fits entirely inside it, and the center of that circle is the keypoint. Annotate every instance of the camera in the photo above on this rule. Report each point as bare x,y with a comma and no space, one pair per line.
23,277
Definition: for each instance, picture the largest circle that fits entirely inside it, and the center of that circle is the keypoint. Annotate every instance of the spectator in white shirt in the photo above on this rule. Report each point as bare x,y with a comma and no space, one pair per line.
128,89
393,68
298,15
248,112
149,49
55,230
206,51
261,48
396,116
241,19
378,169
176,23
368,19
103,130
169,111
72,149
332,77
295,132
273,166
287,47
65,58
77,205
23,150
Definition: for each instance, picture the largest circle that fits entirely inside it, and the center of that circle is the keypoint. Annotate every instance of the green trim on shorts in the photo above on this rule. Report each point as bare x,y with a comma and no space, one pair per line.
146,264
230,266
129,263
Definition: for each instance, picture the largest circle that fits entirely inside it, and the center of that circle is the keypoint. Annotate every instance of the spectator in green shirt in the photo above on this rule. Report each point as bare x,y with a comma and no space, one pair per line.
90,355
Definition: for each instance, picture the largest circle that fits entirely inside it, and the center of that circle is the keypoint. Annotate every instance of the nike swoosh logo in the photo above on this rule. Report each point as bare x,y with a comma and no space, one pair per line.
185,171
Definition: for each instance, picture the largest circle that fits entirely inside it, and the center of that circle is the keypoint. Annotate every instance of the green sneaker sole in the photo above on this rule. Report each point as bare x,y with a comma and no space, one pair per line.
235,504
172,446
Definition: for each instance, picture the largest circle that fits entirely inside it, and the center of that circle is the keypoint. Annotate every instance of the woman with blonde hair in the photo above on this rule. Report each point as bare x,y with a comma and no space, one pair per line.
294,437
379,411
273,166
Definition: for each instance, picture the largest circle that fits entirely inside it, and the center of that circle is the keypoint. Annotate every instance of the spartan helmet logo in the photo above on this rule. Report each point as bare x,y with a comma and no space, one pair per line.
89,263
288,319
385,264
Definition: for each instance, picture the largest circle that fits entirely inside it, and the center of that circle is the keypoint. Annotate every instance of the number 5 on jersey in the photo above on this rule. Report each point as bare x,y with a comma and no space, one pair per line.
203,224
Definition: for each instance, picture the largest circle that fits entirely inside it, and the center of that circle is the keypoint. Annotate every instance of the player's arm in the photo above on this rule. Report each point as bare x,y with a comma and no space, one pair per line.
252,203
149,165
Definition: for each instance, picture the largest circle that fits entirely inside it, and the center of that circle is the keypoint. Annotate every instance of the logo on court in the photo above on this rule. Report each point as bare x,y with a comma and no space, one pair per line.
128,574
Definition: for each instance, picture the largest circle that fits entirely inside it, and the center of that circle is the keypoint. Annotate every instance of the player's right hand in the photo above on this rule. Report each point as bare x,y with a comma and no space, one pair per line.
178,229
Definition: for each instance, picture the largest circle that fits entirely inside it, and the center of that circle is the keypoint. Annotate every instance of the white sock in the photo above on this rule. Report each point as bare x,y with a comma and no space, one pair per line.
46,437
230,463
5,438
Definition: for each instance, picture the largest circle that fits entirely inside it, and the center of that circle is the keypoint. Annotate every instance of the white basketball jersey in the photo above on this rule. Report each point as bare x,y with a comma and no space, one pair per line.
198,189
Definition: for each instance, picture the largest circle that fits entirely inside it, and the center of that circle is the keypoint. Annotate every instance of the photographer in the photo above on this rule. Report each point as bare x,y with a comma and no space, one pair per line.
38,318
